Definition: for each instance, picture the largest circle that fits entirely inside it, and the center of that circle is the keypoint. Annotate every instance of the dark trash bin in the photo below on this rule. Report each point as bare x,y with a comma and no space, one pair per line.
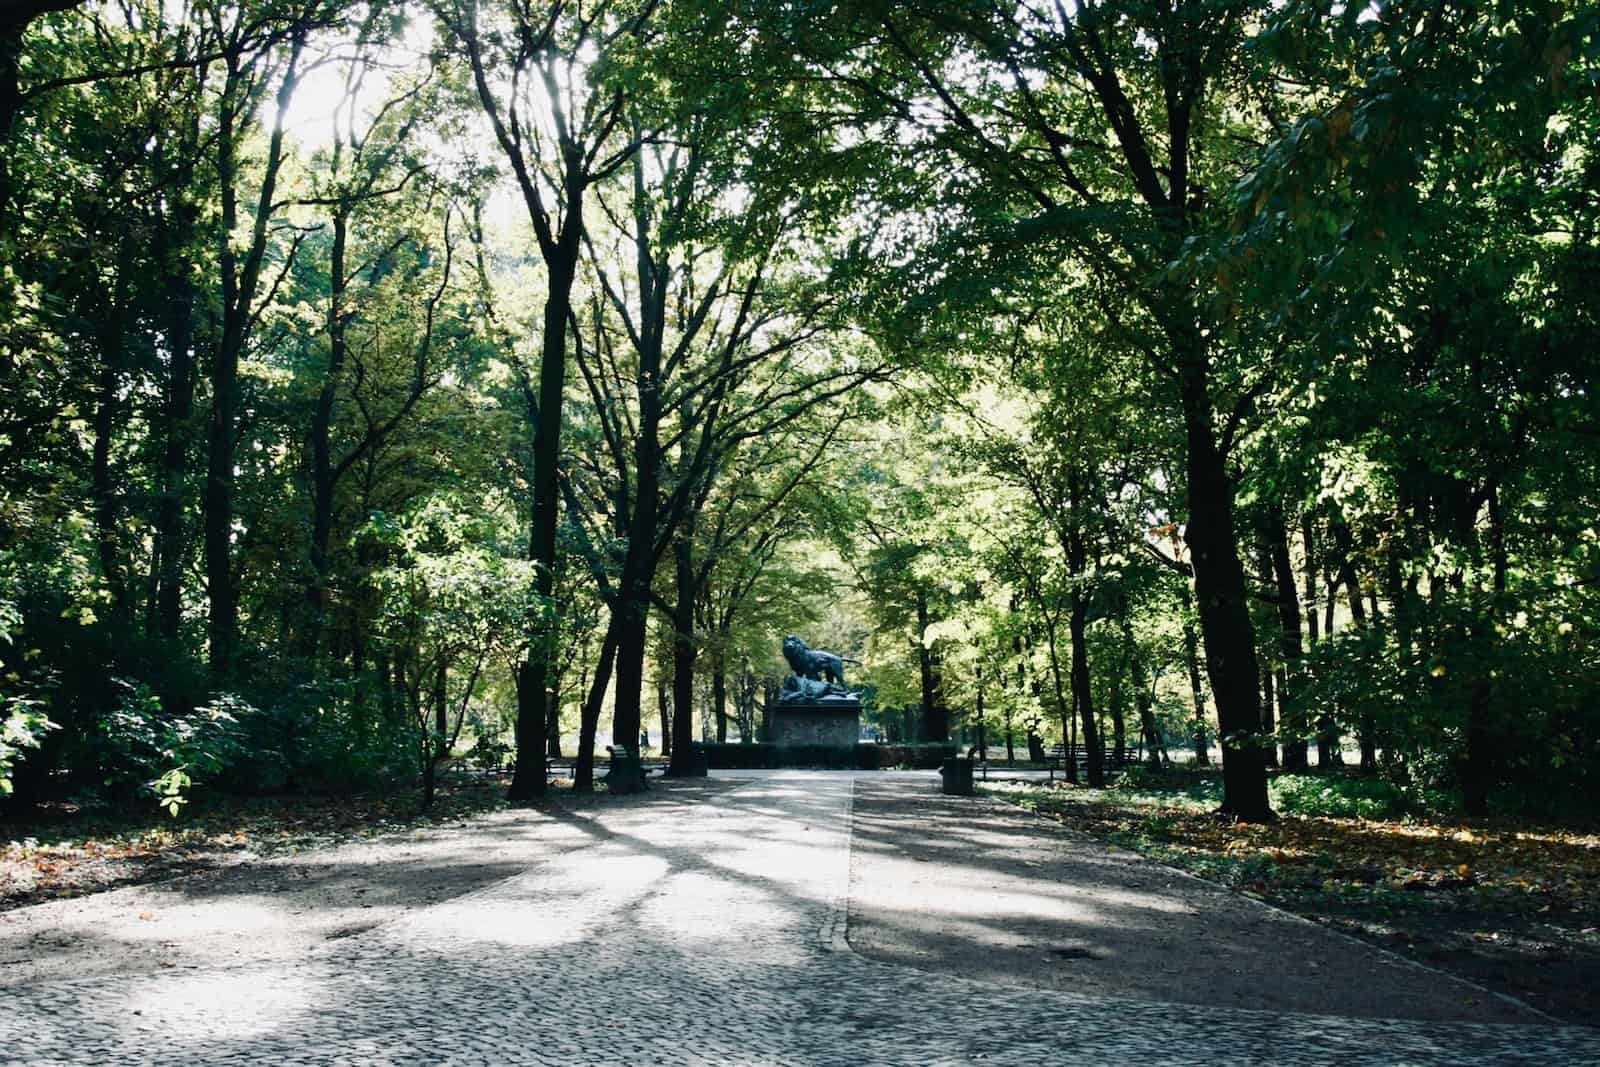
957,773
626,774
699,763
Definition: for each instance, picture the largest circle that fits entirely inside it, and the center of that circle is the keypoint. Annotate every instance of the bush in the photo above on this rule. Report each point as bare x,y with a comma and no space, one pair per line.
330,735
22,726
146,749
925,756
1337,795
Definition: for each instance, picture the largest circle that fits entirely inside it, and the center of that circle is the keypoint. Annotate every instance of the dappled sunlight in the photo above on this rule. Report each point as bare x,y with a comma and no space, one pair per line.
705,928
237,1005
553,906
1014,899
706,935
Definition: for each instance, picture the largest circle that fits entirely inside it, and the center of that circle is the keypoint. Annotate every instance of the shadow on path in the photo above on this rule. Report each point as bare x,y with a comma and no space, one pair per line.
973,886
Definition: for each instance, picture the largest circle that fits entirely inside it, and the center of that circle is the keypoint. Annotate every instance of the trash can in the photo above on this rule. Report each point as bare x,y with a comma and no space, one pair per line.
699,764
957,773
626,774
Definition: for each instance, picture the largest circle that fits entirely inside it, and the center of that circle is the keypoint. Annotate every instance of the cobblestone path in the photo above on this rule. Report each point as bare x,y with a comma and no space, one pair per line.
716,936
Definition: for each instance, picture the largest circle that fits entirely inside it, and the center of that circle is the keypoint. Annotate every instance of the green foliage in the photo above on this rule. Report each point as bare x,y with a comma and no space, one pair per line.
1339,796
1361,286
23,723
22,726
337,735
143,748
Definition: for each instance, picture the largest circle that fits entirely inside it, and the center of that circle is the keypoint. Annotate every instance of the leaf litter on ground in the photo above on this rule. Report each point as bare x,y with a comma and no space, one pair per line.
63,851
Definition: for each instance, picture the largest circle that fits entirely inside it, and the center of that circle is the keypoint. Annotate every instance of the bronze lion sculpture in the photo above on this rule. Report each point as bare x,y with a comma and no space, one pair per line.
815,664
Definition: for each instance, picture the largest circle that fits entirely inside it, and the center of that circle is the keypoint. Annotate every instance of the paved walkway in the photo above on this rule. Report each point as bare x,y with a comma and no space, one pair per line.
716,936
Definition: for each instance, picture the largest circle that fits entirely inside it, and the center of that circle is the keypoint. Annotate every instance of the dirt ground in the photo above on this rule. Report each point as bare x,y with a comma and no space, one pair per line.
241,908
973,886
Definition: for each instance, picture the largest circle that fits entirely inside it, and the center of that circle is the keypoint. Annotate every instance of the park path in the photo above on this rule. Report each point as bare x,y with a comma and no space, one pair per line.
714,936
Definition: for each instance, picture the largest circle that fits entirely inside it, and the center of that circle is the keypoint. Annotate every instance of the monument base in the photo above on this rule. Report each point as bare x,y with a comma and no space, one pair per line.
829,722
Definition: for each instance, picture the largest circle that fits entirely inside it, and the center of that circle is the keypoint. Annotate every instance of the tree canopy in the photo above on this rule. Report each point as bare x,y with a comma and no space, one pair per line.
390,379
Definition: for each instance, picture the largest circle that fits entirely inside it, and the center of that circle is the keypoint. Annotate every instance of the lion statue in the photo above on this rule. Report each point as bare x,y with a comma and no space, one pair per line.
815,664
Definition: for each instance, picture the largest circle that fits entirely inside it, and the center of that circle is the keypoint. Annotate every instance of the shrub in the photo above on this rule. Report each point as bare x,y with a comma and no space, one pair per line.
22,726
334,734
1337,795
161,754
924,756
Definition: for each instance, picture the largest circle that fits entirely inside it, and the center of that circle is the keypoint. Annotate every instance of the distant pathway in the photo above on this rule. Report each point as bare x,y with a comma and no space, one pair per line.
717,936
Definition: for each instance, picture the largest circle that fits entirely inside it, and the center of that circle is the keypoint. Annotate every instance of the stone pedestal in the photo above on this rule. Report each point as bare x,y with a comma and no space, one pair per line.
824,722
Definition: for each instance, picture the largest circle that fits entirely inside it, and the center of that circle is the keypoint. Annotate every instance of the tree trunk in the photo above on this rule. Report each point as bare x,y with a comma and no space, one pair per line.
223,623
322,472
177,409
113,347
525,683
532,705
1142,696
983,740
719,701
552,726
1221,597
1478,770
1082,693
935,717
441,710
1291,722
683,654
664,709
1119,724
1072,729
589,714
1191,656
632,609
632,614
1063,708
1269,726
240,288
1269,752
1328,755
639,564
1366,727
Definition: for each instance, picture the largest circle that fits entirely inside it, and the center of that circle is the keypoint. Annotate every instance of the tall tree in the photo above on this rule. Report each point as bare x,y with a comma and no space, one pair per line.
1091,129
247,77
542,78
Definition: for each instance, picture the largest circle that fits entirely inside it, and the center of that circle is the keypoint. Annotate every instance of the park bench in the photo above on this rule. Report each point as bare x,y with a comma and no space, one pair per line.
1055,759
566,767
